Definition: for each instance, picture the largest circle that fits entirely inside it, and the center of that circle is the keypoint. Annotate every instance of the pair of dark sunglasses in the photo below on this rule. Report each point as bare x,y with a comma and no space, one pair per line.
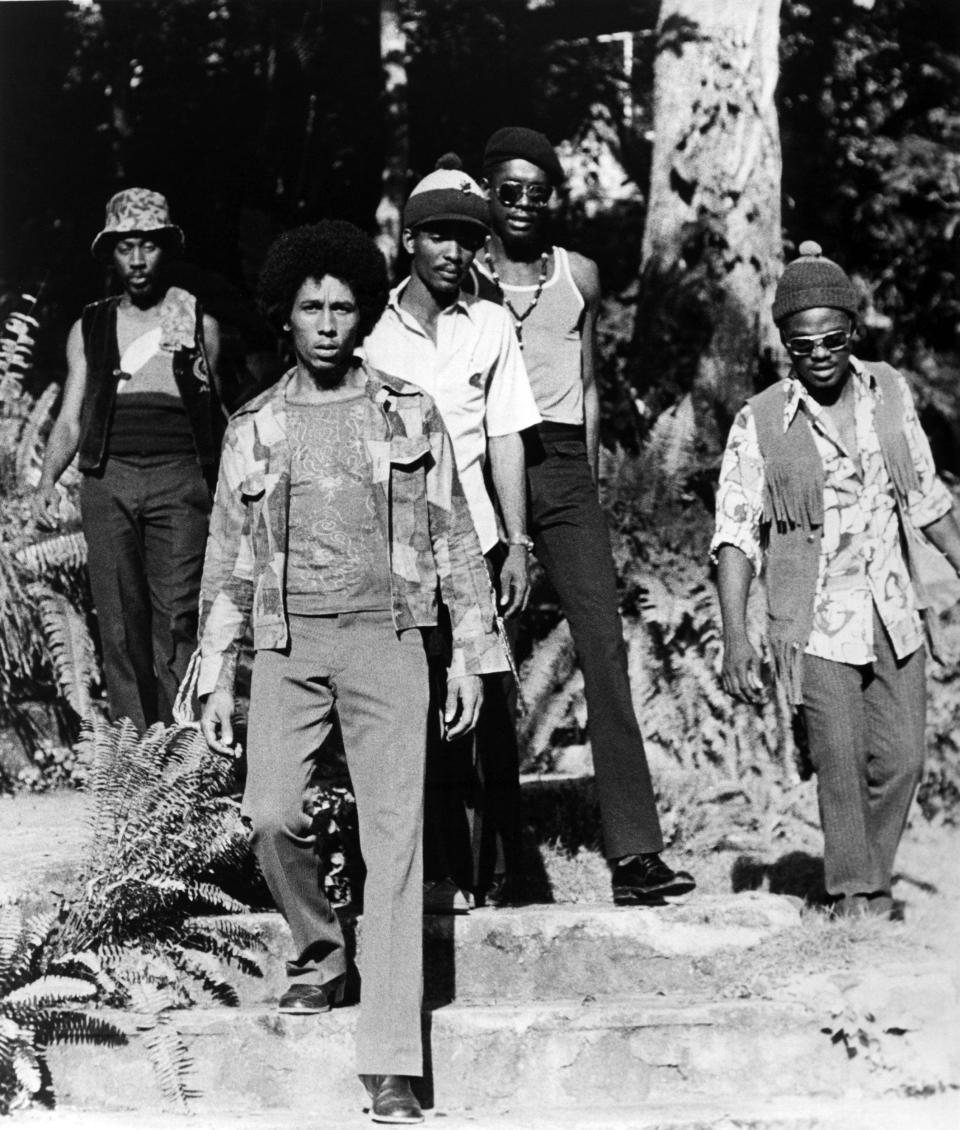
834,340
511,193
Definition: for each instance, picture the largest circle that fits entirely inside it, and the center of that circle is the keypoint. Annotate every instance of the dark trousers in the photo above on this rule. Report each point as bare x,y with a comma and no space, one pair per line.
866,731
357,668
472,826
572,543
145,523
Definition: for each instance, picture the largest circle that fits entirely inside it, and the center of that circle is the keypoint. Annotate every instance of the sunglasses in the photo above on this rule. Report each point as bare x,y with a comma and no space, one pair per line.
512,192
833,340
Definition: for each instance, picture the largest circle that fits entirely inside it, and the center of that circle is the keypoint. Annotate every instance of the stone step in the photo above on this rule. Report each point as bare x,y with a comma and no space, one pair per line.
548,952
556,1054
938,1112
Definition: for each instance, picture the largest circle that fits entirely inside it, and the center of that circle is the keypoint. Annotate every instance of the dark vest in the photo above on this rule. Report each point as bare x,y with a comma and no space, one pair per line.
792,525
191,372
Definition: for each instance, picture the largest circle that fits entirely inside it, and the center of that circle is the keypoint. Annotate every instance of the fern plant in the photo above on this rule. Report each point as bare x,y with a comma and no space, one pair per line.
163,829
46,648
148,901
39,999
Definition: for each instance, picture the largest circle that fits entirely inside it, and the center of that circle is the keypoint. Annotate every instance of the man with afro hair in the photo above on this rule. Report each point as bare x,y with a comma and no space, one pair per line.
339,525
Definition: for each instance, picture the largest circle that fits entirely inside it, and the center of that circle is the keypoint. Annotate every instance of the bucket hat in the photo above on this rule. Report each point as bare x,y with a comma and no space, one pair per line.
135,210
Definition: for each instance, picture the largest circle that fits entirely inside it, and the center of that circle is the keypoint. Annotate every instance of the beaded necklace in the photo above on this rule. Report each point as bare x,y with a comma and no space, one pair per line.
518,318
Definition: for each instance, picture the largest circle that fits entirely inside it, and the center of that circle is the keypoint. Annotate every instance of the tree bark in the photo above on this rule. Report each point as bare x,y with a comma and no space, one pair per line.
393,53
716,173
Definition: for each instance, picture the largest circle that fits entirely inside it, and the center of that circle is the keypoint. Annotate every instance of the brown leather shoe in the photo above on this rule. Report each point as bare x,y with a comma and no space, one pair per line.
393,1102
307,1000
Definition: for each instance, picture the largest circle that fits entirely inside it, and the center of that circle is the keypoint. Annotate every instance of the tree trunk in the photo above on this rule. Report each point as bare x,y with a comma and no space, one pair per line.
393,53
716,176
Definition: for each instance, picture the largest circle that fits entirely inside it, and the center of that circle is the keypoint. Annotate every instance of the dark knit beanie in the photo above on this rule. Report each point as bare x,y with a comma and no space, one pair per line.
519,143
447,193
811,281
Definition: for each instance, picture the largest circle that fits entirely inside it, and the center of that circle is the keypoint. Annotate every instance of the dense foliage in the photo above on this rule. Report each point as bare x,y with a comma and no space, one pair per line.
870,117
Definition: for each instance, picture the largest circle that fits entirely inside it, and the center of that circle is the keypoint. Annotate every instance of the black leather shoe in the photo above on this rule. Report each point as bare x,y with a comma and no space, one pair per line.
639,879
392,1099
307,1000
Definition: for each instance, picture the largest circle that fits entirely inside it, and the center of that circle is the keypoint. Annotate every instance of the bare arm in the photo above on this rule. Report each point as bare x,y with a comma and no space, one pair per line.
507,469
945,535
587,279
65,434
740,674
211,347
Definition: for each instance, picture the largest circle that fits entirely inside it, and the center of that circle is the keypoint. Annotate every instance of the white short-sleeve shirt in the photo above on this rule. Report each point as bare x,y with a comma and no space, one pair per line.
475,374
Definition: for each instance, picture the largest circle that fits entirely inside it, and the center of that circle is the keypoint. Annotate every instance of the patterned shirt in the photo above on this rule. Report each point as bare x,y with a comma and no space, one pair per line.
433,547
861,562
338,559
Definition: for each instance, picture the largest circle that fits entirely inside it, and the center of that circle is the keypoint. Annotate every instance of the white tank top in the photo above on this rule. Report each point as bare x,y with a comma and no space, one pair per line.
551,340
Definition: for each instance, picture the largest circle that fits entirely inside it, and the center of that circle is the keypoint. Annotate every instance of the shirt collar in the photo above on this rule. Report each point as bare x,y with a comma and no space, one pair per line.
464,302
797,395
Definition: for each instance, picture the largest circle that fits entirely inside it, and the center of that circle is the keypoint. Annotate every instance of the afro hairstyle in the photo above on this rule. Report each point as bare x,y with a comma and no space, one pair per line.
330,247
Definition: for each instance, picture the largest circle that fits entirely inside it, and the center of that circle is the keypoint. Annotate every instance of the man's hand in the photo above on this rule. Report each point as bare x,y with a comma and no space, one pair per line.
45,506
740,674
462,708
216,722
513,583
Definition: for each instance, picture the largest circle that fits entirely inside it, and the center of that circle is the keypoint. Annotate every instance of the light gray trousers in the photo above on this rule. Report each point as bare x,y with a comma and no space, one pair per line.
866,728
377,681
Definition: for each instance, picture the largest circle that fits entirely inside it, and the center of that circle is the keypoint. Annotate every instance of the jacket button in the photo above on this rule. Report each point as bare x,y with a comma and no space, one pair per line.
811,537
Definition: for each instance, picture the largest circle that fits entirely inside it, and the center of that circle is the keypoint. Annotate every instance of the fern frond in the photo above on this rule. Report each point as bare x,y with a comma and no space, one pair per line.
549,666
26,1069
171,1062
53,555
670,445
229,950
65,1026
21,947
70,647
29,456
204,970
49,990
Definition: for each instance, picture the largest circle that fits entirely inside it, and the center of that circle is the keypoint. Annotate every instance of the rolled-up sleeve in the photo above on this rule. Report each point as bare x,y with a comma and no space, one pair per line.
510,403
933,499
740,492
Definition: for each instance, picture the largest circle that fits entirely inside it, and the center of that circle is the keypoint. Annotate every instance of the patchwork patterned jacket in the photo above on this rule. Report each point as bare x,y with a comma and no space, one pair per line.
434,551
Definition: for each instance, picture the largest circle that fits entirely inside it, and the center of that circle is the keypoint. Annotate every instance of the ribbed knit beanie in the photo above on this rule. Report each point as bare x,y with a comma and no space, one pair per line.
519,143
447,193
811,281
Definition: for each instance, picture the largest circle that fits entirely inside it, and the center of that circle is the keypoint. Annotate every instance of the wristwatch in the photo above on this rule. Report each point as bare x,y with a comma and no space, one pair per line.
521,539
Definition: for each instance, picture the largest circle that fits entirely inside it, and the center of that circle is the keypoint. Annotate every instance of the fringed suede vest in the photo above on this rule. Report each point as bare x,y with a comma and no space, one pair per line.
182,330
793,511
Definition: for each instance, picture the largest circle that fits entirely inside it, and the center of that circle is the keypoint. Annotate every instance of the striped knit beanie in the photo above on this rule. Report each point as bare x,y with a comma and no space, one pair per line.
447,193
811,281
